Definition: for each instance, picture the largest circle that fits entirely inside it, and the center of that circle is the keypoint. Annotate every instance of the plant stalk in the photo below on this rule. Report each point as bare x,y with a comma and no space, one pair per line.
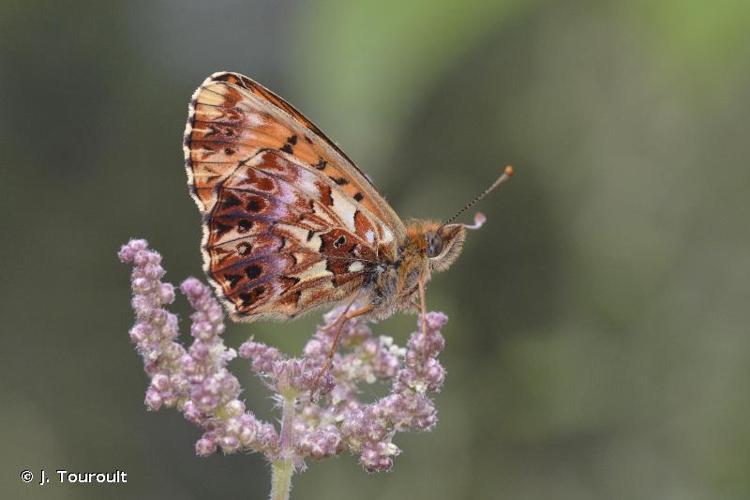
281,479
282,468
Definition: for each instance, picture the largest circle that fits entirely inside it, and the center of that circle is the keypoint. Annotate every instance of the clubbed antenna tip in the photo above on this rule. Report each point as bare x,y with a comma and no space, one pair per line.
508,172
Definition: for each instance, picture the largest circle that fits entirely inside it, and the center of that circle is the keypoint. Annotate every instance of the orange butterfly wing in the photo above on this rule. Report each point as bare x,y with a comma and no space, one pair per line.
290,223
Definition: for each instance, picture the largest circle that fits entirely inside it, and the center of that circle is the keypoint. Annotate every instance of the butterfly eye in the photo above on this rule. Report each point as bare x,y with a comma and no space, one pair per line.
434,245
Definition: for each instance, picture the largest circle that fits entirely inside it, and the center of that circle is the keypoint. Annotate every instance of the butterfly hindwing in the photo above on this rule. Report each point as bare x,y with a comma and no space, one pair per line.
276,244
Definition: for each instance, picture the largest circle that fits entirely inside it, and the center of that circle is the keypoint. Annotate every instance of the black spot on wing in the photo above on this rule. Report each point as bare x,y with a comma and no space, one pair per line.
221,229
251,297
244,226
256,203
253,271
230,201
233,279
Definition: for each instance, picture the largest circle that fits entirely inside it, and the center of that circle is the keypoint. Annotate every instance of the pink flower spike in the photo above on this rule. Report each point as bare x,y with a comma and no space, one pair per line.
195,379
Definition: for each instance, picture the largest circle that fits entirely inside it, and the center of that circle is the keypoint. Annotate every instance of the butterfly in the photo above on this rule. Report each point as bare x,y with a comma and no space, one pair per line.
290,223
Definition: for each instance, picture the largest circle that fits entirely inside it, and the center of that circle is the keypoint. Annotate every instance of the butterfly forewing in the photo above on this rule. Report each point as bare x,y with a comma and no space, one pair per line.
289,222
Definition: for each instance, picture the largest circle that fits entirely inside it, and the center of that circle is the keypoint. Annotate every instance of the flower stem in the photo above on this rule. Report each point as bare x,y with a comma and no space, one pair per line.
282,468
281,479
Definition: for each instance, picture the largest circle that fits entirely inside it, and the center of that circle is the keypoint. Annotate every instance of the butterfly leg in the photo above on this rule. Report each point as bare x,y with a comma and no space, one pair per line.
339,325
423,307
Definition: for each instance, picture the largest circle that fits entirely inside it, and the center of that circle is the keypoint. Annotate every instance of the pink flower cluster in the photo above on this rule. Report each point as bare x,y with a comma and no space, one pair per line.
328,417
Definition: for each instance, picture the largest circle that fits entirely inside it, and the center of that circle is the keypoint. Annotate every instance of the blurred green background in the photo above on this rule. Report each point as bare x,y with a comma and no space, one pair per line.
599,342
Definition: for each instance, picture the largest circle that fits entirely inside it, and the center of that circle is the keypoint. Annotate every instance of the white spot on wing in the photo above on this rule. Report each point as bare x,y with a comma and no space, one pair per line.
344,210
356,266
387,235
300,234
254,119
315,271
306,183
214,97
370,236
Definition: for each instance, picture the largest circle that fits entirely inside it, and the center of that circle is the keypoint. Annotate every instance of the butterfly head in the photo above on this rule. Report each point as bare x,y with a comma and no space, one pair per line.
439,244
444,244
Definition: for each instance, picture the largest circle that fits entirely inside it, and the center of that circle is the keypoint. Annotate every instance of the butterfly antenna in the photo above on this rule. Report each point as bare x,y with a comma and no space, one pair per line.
507,174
